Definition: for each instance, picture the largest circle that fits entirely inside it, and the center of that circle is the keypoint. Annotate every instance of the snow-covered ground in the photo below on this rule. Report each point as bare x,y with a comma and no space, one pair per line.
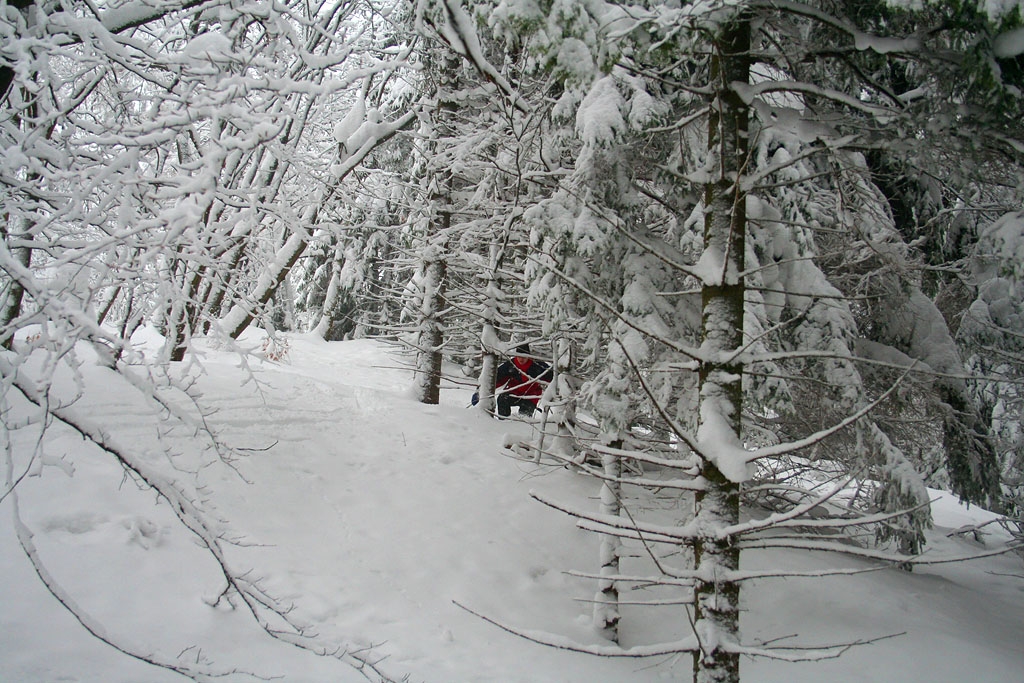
373,515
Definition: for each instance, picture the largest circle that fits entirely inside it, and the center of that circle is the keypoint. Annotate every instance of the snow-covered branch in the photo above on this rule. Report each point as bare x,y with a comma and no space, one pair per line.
563,643
821,435
456,29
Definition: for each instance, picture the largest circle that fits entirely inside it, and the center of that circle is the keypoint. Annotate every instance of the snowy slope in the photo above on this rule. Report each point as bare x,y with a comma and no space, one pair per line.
372,515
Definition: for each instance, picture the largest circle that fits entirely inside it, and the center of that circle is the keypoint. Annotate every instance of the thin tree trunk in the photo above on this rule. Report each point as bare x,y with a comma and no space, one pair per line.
11,307
606,601
611,410
488,335
323,326
242,314
488,369
563,401
15,293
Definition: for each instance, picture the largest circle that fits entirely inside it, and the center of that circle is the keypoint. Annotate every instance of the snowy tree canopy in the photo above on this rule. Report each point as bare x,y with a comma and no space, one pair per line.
770,249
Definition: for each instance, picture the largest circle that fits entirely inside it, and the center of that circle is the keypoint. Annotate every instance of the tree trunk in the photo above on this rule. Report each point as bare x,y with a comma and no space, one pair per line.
606,601
325,324
488,335
11,308
563,402
435,272
242,314
716,599
431,335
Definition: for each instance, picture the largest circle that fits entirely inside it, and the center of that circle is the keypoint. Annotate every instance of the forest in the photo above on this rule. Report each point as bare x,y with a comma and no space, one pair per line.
773,250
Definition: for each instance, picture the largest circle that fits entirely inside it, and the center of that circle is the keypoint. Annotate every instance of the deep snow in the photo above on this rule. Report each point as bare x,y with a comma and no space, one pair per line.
373,515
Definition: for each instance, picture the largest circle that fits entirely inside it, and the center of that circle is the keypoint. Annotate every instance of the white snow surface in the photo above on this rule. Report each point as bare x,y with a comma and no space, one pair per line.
373,514
1009,44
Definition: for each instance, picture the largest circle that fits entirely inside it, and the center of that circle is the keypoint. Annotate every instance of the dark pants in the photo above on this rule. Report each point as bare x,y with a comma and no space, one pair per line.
507,401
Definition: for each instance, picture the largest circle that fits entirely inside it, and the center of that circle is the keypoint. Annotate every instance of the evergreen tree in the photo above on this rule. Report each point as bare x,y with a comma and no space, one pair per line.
764,113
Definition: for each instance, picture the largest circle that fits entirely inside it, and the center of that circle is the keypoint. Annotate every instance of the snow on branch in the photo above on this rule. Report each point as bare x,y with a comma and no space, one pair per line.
134,14
792,653
369,135
684,435
562,643
750,93
757,575
837,546
795,653
51,305
821,435
457,31
753,181
693,484
691,352
780,518
657,533
774,521
624,529
862,41
684,582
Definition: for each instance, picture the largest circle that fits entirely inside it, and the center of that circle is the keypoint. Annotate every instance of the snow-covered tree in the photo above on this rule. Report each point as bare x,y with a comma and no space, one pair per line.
991,333
160,165
754,124
476,168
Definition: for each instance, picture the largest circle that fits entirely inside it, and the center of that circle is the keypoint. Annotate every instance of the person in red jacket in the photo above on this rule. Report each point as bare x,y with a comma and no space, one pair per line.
520,382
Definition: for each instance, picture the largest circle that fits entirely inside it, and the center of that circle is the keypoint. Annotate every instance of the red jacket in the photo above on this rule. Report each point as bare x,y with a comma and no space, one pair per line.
523,377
